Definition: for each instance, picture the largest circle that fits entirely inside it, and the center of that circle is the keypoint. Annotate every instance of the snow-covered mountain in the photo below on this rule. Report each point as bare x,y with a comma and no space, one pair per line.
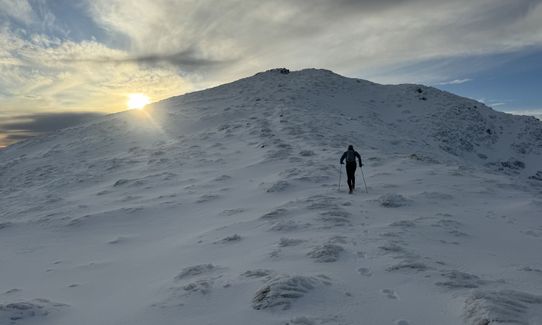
222,207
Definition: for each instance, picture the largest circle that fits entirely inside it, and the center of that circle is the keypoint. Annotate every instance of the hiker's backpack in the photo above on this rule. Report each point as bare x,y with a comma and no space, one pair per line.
350,156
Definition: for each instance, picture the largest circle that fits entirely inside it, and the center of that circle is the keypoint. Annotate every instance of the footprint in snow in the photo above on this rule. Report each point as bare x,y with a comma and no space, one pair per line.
393,200
119,240
222,178
365,271
207,198
232,212
279,186
303,320
389,294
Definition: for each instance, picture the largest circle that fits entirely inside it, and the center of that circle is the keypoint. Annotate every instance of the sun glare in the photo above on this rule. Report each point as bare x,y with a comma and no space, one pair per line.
137,101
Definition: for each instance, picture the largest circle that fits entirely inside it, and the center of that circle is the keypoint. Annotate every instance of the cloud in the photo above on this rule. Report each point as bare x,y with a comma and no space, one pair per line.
494,103
346,36
19,10
221,41
529,112
44,73
186,60
454,82
25,126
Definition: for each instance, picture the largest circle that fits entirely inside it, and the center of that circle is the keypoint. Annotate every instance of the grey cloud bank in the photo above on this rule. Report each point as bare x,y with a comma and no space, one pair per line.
25,126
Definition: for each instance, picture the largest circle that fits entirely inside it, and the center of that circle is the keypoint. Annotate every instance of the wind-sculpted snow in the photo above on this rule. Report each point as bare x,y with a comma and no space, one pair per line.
195,270
393,200
281,292
259,273
408,265
279,186
229,206
457,279
505,307
23,311
326,253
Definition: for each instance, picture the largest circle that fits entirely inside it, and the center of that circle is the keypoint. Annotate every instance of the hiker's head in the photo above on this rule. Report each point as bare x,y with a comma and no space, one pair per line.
350,147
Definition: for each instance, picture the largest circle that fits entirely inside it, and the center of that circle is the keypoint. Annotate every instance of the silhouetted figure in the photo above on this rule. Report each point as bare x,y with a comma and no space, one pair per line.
350,155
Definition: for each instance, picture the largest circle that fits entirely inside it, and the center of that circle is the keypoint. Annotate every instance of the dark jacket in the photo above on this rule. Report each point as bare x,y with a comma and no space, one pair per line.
356,155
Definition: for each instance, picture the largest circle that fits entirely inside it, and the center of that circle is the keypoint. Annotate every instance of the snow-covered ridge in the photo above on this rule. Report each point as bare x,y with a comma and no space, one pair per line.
399,118
221,206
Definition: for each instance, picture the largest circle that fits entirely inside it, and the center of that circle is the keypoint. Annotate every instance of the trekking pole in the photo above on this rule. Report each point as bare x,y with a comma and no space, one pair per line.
366,190
340,173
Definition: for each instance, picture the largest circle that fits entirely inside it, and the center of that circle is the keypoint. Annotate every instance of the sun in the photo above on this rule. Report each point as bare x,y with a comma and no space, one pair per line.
137,101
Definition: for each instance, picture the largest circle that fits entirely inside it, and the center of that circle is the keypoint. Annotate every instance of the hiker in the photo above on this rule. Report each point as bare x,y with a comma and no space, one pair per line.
350,156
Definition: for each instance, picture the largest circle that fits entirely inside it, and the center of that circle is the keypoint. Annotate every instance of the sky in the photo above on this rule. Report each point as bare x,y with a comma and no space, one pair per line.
66,61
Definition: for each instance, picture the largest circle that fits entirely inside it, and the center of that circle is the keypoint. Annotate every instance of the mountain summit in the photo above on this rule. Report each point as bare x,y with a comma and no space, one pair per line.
223,207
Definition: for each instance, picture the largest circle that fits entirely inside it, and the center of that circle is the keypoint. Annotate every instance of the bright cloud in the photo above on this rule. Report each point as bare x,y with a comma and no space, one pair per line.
531,112
19,10
49,74
454,82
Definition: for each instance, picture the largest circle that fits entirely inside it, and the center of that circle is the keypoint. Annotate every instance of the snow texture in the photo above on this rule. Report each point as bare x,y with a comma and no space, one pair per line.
282,291
223,206
501,307
35,310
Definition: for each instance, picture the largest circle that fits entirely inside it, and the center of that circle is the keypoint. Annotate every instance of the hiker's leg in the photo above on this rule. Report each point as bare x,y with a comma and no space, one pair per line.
354,176
350,171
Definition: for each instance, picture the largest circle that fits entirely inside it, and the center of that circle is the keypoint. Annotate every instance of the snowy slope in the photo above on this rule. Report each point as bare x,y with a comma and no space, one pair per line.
222,207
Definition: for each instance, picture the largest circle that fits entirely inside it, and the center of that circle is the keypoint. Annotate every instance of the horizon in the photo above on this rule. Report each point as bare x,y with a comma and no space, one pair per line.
63,62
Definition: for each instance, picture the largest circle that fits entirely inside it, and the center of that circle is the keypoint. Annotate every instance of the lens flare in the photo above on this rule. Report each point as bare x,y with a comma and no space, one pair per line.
137,101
